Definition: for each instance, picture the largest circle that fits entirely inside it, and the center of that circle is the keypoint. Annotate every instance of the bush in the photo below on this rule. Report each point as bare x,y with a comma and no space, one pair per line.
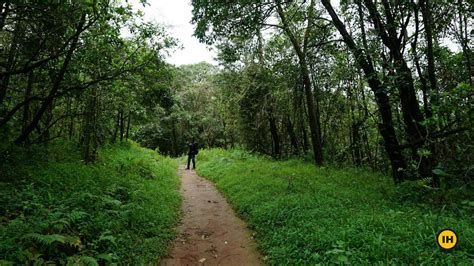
56,209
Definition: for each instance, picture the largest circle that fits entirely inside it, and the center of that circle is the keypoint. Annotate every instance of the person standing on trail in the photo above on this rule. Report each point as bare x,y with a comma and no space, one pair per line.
193,151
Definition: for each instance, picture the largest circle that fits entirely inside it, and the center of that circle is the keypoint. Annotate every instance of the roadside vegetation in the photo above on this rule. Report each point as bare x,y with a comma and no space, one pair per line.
56,209
307,215
383,88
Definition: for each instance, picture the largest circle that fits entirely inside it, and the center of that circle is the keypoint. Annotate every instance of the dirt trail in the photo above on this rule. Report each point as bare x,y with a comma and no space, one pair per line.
210,232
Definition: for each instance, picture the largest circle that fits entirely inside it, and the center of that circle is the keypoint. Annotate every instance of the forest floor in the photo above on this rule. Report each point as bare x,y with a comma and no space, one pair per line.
210,233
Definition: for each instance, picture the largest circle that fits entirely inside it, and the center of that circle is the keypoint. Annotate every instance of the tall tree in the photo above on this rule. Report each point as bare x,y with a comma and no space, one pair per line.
226,23
386,128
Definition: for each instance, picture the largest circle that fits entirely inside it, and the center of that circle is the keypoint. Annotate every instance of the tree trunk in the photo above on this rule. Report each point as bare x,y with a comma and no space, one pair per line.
57,83
47,118
71,118
427,163
392,146
304,136
465,41
355,125
427,21
90,142
224,133
174,143
122,124
26,107
314,121
128,124
356,151
275,138
117,126
424,86
412,116
5,80
365,138
291,134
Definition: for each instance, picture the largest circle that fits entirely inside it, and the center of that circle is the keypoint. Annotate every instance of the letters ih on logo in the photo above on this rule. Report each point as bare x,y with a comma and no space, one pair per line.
447,239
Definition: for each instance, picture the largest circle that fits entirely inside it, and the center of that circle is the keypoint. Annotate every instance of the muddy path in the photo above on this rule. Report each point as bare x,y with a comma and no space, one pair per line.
210,233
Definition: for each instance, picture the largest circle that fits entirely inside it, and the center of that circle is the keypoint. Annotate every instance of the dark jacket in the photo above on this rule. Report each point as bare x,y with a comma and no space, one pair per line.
193,148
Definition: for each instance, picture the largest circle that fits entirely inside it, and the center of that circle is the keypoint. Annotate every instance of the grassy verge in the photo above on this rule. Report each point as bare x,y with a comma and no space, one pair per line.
56,209
307,215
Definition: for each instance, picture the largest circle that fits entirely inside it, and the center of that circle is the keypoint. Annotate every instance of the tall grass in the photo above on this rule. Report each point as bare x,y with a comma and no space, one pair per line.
302,214
56,209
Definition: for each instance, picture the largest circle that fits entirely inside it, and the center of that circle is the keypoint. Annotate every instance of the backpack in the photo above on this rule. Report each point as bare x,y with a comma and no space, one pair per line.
196,149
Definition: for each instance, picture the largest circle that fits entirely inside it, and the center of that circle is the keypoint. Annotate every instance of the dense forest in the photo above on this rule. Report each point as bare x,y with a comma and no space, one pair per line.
382,86
370,85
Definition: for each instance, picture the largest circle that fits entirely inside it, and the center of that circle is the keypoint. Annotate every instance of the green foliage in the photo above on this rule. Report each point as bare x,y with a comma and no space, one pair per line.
55,209
307,215
267,49
100,63
191,110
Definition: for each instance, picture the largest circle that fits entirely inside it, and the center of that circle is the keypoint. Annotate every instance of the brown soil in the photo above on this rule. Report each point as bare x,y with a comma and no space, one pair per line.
210,233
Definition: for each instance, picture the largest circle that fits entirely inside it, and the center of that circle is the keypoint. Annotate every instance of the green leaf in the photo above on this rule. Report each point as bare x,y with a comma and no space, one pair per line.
440,172
86,260
342,259
106,257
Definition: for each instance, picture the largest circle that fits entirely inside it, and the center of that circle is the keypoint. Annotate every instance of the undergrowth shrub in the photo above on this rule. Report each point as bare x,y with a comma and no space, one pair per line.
56,209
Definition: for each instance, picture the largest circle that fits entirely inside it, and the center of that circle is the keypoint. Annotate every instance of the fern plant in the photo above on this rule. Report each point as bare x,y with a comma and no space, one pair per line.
53,239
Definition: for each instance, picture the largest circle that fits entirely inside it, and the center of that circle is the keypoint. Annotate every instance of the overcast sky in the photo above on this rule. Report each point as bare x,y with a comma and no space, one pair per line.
176,14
